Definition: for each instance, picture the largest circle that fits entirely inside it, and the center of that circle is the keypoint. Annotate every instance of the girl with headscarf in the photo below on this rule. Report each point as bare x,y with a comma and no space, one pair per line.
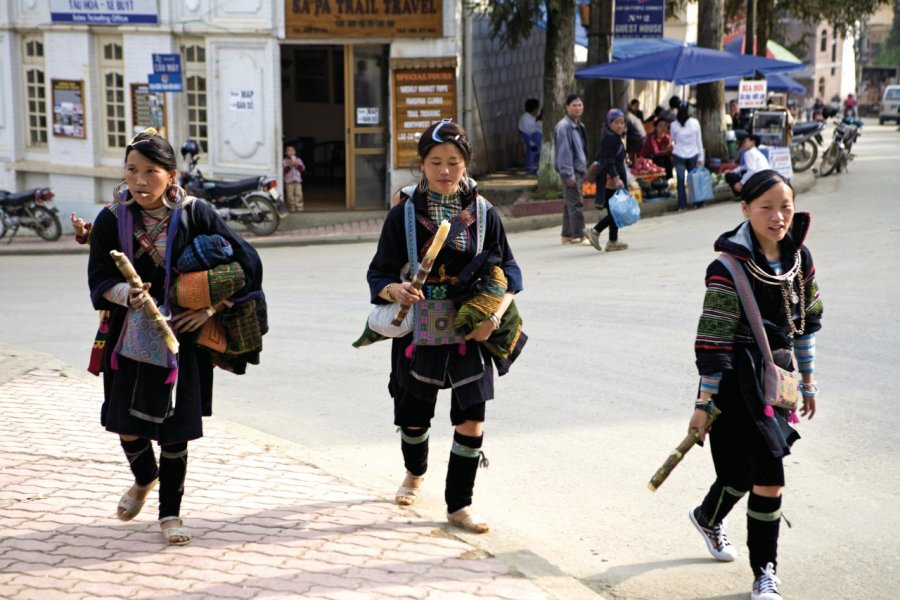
612,176
751,438
688,151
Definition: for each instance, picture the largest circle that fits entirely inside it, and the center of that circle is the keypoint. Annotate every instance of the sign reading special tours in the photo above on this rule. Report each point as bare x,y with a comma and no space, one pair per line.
104,12
357,18
421,97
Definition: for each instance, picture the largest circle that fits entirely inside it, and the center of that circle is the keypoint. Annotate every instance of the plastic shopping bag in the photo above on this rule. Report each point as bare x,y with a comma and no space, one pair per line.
700,186
624,208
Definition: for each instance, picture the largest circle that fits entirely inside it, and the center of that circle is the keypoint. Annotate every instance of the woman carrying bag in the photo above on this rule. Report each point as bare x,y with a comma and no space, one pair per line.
752,436
612,174
449,346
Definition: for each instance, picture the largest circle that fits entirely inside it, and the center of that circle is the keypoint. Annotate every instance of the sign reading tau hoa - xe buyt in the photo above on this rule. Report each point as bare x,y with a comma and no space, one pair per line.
358,18
104,12
639,19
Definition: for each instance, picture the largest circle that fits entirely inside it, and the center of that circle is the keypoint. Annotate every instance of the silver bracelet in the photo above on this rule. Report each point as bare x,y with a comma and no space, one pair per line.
495,319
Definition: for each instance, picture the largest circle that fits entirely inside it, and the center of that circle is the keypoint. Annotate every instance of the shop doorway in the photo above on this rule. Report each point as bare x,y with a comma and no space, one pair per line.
334,112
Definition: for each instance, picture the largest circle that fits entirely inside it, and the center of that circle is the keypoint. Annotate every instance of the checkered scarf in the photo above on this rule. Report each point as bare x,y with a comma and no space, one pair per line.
442,207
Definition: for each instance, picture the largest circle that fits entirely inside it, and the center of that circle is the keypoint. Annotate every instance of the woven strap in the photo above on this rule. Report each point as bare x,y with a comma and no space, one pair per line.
748,301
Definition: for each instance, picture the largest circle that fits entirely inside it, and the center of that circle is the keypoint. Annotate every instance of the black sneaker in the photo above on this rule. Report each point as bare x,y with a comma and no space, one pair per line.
716,541
765,586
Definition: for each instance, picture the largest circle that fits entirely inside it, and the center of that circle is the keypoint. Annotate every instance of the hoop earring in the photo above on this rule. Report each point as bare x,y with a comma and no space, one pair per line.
173,196
119,196
422,187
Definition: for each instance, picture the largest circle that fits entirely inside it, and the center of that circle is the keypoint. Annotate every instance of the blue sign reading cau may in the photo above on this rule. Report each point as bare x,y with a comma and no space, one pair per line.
104,12
639,19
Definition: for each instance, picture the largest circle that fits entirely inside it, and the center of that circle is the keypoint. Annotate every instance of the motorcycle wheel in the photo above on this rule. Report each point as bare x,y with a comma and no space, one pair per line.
46,223
804,156
830,160
263,218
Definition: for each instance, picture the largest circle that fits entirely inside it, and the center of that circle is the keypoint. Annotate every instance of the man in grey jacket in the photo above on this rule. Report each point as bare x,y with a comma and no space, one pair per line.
571,164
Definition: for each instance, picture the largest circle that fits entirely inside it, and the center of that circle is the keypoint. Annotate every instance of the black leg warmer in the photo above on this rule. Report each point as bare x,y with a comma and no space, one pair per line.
414,444
141,459
461,470
718,503
172,469
763,520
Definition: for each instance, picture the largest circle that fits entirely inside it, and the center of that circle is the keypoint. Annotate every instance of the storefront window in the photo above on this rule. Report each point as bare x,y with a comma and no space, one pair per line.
35,91
194,55
111,69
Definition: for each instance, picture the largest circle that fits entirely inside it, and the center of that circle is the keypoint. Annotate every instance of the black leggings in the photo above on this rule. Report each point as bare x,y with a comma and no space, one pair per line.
608,221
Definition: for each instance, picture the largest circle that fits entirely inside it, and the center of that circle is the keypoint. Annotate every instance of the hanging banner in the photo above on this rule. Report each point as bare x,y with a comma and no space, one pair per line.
363,18
639,19
104,12
421,97
68,108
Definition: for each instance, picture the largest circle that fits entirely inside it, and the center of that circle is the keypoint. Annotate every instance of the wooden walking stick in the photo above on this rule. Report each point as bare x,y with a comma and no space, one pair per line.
424,268
160,324
693,437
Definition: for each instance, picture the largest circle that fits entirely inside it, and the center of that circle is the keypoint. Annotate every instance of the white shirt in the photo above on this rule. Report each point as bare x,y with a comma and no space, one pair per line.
687,138
528,124
754,162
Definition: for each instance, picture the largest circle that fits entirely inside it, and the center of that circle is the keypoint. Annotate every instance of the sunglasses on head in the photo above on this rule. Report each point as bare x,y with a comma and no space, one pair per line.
440,140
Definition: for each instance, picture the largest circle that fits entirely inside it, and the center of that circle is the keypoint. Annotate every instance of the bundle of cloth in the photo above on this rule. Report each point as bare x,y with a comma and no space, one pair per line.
209,277
478,291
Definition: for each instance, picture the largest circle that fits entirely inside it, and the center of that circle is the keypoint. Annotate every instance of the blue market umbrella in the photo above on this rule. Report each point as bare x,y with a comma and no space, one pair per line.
687,65
625,48
775,82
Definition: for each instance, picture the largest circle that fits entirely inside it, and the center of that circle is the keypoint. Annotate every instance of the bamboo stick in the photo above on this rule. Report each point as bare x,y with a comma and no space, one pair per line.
160,324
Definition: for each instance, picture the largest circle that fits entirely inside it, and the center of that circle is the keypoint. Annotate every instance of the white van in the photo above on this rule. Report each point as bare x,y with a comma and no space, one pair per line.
890,105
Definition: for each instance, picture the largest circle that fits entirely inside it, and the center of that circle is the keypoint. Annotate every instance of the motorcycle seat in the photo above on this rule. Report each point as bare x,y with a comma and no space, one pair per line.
17,198
230,188
804,128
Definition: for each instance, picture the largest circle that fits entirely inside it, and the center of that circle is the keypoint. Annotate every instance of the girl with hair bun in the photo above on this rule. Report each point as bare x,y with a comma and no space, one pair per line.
149,392
439,353
751,438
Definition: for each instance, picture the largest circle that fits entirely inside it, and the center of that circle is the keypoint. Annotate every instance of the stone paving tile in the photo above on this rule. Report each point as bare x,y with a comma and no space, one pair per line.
265,525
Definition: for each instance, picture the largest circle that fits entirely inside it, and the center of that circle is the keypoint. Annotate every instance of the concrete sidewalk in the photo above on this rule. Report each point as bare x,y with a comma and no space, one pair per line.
304,229
265,524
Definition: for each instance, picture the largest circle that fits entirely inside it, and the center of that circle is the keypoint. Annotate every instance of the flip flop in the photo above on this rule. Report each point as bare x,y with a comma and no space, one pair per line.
129,507
407,496
468,521
175,536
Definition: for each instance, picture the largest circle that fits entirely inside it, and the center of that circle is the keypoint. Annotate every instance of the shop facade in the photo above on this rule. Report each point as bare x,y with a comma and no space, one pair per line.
348,83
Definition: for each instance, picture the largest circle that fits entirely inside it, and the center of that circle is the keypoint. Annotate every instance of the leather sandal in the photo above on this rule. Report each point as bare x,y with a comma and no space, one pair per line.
129,506
468,521
175,536
407,495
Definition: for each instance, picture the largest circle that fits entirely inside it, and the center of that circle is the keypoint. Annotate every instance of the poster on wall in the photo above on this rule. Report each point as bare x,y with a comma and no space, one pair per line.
421,97
148,109
68,108
363,18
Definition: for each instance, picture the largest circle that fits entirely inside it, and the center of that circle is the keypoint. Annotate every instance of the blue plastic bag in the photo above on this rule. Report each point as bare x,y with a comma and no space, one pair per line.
624,208
700,186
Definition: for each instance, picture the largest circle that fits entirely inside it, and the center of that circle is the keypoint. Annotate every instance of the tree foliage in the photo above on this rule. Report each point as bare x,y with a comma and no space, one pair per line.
511,21
840,15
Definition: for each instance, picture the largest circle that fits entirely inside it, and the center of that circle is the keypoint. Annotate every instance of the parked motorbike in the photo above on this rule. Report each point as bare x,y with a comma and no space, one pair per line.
29,209
838,155
254,202
805,145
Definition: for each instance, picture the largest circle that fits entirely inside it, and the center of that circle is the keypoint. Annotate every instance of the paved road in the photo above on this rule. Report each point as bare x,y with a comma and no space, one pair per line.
597,401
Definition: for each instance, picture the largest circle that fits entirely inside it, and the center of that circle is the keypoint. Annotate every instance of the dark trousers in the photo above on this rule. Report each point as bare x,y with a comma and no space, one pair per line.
608,221
682,166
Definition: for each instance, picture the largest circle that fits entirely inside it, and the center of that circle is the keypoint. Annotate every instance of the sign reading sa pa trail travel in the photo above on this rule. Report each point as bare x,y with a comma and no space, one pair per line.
639,19
362,18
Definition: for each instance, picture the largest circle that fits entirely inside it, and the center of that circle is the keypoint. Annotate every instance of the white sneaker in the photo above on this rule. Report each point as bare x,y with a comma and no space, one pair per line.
765,586
716,541
593,237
